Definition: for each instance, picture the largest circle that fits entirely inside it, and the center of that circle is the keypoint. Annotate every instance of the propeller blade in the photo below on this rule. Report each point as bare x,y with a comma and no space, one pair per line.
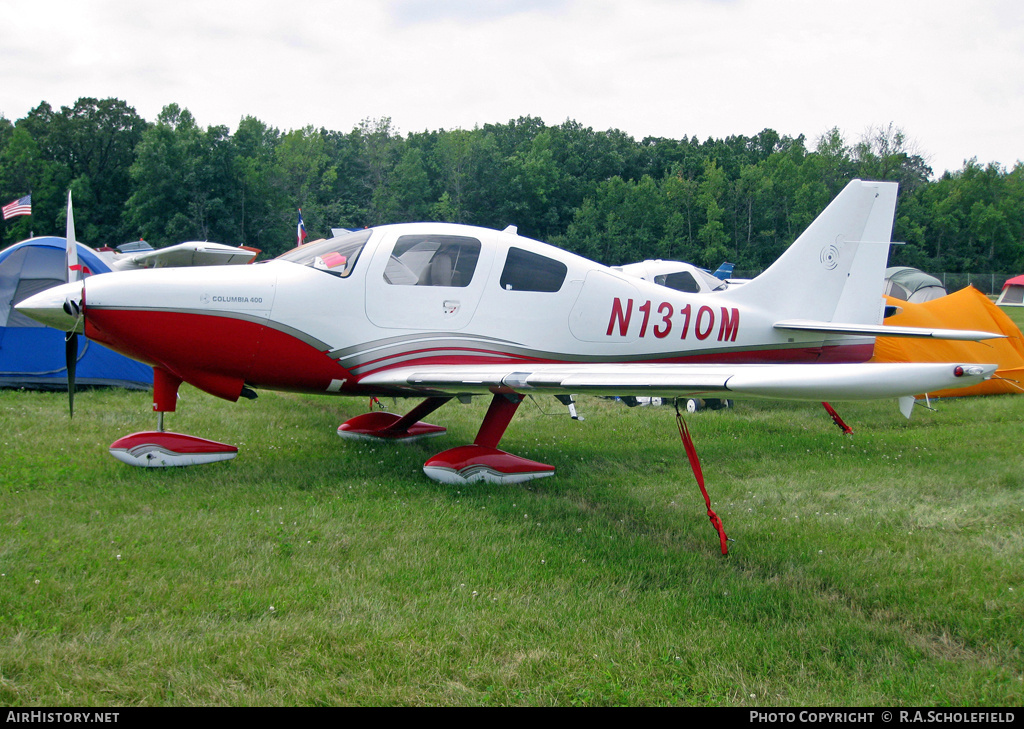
73,273
73,270
71,362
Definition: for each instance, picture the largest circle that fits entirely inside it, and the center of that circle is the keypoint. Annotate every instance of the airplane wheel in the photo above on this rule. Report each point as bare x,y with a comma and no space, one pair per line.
718,404
694,404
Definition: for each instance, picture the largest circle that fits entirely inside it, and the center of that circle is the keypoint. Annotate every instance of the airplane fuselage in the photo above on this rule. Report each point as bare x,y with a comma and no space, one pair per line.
306,326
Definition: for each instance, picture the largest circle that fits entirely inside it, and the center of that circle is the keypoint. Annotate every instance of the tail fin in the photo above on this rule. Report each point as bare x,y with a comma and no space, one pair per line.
724,271
835,270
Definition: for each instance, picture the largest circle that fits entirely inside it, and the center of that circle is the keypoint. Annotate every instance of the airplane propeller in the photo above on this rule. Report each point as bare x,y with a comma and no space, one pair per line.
73,273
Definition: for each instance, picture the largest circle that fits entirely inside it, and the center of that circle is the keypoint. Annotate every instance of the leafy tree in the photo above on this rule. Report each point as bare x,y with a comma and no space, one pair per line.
532,186
515,135
94,141
182,181
751,193
23,171
308,177
885,153
600,193
454,159
712,235
678,241
406,194
837,164
258,197
379,152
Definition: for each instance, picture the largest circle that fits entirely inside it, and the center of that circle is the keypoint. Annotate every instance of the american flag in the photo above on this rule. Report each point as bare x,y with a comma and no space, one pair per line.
301,232
22,206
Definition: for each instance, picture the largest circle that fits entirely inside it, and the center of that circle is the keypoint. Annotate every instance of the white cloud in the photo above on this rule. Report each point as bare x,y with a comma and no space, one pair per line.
414,12
950,73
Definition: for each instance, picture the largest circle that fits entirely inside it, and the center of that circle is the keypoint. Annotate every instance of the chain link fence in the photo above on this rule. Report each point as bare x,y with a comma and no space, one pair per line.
986,283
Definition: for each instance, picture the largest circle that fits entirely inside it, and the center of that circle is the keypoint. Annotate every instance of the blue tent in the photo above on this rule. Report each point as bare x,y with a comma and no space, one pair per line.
32,355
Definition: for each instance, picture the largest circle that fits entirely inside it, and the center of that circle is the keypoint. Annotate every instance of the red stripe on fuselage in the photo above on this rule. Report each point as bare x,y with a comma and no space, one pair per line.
216,353
847,353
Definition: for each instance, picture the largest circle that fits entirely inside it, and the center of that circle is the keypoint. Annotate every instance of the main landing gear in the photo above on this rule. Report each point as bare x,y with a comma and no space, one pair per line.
379,425
480,461
695,404
159,448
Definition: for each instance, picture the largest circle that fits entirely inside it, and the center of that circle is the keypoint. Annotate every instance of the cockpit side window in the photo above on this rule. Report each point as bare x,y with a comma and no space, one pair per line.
526,271
336,256
433,260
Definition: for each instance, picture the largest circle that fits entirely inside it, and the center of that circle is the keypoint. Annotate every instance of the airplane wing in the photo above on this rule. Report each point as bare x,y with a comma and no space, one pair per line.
884,330
191,254
813,382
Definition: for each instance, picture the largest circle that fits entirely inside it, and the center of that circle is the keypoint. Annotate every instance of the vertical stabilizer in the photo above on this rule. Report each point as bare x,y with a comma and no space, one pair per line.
836,268
863,300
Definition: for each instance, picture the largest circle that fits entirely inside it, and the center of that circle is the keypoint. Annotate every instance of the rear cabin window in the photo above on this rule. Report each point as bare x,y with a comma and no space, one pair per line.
526,271
433,260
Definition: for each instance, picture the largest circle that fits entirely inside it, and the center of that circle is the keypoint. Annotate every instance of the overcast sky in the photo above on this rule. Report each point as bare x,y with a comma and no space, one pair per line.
949,73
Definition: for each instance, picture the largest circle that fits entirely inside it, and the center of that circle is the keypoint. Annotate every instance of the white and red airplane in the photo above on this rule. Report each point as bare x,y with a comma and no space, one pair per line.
439,311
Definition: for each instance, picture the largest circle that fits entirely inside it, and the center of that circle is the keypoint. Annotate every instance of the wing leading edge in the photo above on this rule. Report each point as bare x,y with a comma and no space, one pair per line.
813,382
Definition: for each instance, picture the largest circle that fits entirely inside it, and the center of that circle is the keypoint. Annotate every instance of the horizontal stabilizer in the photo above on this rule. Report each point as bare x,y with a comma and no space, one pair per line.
882,330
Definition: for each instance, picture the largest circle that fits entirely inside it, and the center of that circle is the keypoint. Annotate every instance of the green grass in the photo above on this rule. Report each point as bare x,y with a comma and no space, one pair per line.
1016,313
884,568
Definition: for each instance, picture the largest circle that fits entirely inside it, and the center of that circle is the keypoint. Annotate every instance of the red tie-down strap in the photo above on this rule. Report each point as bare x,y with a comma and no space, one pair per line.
691,452
838,421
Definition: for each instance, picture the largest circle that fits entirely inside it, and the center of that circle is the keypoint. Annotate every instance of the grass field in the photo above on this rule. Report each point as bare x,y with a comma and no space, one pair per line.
883,568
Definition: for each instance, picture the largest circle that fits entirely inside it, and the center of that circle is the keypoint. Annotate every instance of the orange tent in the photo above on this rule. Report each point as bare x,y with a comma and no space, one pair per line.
965,309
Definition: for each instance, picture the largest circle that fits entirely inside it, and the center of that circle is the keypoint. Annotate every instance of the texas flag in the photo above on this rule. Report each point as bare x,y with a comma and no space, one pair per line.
302,229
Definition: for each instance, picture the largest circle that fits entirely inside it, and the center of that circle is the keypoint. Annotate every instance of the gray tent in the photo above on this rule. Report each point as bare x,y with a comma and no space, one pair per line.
910,284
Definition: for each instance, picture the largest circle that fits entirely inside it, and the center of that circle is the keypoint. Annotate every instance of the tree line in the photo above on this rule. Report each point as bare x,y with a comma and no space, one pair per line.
602,194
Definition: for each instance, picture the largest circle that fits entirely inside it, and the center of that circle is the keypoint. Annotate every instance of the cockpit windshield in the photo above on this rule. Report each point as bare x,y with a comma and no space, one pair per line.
336,256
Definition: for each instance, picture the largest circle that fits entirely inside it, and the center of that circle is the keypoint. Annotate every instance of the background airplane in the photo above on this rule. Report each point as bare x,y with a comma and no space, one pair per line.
676,275
442,311
140,254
